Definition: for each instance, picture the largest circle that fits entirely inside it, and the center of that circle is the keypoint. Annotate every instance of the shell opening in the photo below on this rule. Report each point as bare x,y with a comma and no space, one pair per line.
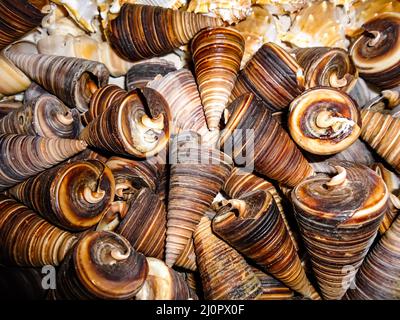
392,96
238,206
119,207
119,256
93,196
325,120
339,179
376,37
65,118
334,81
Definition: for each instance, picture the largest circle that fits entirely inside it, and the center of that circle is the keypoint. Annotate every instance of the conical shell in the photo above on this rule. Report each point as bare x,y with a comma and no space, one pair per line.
141,32
164,283
72,80
324,66
272,289
142,72
225,274
187,259
324,121
253,226
72,196
339,218
27,239
102,265
24,156
44,116
217,53
145,224
376,52
197,174
378,277
252,130
124,128
273,75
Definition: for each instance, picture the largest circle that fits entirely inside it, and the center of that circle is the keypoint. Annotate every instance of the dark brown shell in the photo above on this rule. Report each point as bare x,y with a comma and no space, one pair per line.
253,226
72,196
102,265
27,239
339,218
187,259
272,289
225,274
275,154
141,31
145,224
273,75
24,156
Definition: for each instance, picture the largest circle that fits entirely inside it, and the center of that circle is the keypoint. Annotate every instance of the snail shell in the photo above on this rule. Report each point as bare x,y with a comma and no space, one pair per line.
376,52
24,156
72,196
145,224
217,53
324,66
44,116
142,72
159,32
29,240
272,289
378,277
164,283
225,274
102,265
275,154
277,85
324,121
339,218
72,80
253,226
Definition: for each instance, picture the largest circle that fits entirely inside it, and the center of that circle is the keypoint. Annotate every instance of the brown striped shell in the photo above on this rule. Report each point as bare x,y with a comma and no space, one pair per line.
272,289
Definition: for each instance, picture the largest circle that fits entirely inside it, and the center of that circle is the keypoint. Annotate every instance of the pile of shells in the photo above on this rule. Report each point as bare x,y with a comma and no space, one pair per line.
185,150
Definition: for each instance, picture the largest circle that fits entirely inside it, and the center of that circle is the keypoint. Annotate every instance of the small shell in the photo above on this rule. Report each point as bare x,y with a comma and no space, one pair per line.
225,274
24,156
275,154
339,218
72,196
252,225
102,265
164,283
145,224
376,51
324,121
277,86
27,239
217,53
162,30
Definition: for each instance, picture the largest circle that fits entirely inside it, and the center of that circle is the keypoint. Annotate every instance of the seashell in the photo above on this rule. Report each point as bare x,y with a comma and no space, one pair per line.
84,47
274,154
21,284
142,72
125,128
44,116
381,131
72,196
241,182
17,18
161,32
277,86
253,226
88,154
24,156
164,283
187,259
272,289
322,24
72,80
378,277
324,66
376,51
230,11
27,239
324,121
7,107
217,53
145,224
102,265
132,175
225,274
339,218
197,174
